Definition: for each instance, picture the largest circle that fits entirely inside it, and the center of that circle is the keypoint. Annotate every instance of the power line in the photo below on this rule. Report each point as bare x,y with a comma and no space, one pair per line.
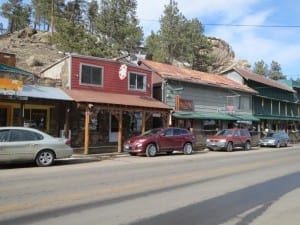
252,25
236,25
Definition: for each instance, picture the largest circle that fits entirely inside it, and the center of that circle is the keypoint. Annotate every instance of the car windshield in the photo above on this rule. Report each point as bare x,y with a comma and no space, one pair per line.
225,133
151,132
273,135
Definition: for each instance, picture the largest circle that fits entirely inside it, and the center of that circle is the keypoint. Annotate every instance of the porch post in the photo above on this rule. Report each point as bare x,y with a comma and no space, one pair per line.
143,121
86,130
120,131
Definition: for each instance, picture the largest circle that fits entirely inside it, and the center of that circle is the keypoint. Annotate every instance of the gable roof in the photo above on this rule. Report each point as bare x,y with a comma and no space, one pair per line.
248,75
166,71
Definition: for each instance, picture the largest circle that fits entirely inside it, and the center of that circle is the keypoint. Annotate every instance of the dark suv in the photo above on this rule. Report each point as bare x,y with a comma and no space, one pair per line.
229,139
161,140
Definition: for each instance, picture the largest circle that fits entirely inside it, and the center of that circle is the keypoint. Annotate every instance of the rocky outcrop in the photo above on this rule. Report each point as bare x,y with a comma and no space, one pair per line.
224,56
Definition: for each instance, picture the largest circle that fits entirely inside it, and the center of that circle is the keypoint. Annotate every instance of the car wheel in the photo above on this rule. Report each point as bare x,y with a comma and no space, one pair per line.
229,147
277,145
247,146
151,150
45,158
187,149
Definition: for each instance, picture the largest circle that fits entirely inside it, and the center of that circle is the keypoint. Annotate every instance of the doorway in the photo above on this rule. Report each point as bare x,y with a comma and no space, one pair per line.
3,117
113,128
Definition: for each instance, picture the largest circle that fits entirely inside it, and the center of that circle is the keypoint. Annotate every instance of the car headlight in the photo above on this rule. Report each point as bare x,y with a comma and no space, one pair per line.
139,145
222,140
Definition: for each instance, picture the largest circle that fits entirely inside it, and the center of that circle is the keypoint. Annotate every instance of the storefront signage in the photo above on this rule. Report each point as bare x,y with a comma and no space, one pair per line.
123,72
186,105
7,84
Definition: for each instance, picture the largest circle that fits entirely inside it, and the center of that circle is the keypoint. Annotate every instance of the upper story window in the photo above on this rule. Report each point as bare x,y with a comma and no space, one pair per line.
137,82
91,75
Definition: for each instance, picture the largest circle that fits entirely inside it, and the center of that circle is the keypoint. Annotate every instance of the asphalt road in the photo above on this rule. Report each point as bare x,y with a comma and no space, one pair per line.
254,187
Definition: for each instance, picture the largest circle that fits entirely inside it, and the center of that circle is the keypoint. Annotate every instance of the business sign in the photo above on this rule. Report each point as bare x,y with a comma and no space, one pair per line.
123,72
7,84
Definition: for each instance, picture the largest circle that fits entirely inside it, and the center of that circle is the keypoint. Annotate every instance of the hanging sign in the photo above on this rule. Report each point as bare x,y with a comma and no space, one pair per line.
123,72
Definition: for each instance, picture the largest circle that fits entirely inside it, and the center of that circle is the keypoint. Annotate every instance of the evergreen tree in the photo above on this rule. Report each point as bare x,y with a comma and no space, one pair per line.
118,27
17,14
179,39
93,9
275,71
261,68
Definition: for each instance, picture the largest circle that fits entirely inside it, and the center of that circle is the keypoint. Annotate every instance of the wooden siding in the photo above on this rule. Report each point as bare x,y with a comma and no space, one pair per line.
206,99
111,82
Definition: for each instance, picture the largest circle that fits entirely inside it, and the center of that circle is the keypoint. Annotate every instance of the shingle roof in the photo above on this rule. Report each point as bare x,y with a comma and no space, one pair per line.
115,99
167,71
261,79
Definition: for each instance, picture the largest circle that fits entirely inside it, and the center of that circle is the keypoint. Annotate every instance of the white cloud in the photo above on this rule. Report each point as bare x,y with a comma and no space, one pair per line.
250,43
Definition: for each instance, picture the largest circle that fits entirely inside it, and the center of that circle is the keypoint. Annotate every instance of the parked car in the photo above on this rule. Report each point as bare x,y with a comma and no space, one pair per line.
228,139
158,140
29,144
275,139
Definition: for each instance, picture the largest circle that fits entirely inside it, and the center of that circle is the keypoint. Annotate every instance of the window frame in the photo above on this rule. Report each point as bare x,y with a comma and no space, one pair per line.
144,81
91,84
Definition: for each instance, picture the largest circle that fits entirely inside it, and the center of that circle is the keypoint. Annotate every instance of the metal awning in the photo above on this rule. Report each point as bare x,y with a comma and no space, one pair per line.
273,117
14,70
35,91
205,116
245,117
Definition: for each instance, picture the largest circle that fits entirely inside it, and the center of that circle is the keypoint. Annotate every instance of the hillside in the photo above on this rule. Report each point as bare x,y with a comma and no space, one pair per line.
34,52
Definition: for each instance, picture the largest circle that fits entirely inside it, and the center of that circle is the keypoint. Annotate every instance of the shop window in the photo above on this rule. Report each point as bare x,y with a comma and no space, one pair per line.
35,118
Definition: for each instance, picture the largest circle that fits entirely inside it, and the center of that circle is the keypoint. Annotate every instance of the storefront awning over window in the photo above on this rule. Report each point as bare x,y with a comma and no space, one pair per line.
245,117
272,117
205,116
85,96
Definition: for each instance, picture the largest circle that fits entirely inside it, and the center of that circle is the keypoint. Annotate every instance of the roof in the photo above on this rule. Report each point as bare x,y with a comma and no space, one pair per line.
291,83
167,71
35,91
115,99
247,74
15,70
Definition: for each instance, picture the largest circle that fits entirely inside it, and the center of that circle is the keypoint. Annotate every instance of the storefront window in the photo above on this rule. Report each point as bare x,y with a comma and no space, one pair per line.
35,118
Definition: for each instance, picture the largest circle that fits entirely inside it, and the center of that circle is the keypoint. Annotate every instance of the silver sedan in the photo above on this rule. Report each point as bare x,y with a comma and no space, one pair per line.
28,144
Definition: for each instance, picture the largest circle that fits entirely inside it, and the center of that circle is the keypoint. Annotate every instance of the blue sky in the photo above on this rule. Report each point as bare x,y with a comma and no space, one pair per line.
253,43
280,43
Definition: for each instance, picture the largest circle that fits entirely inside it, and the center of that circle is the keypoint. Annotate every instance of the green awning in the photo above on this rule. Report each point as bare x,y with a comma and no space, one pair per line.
14,70
272,117
245,117
205,116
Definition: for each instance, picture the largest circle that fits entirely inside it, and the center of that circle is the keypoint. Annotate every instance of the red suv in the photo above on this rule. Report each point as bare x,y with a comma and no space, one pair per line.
161,140
229,139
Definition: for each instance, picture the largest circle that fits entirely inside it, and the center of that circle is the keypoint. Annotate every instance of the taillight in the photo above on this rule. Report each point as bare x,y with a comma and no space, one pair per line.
68,142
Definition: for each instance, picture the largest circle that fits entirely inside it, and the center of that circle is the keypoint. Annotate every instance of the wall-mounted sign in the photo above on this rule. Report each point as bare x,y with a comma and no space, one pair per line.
9,84
123,72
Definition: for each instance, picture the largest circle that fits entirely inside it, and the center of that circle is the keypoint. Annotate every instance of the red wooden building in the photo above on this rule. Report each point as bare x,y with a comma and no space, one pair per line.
112,101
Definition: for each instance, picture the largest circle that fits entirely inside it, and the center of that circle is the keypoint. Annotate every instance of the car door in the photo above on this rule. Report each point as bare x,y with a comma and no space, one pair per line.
237,139
166,141
4,153
21,145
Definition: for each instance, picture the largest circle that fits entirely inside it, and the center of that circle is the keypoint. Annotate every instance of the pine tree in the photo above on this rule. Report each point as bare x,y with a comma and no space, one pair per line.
17,14
118,27
275,71
261,68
